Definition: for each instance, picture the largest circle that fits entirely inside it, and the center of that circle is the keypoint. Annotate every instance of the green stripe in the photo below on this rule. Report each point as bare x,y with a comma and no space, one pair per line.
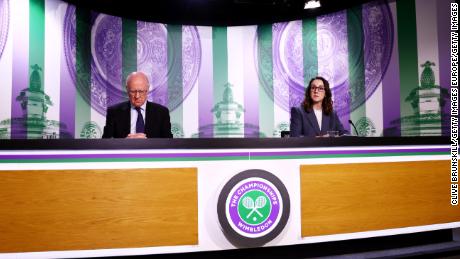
36,49
220,66
356,63
174,159
266,100
310,50
37,34
408,57
83,67
129,48
175,87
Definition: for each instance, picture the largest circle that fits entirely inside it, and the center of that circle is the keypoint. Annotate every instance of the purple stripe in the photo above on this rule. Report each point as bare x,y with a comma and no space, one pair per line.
153,63
129,156
296,28
372,68
20,79
108,75
390,87
251,93
333,62
205,85
345,117
67,95
225,155
160,91
443,22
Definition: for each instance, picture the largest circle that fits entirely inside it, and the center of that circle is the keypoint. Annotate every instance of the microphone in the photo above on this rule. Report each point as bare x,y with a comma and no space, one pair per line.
352,124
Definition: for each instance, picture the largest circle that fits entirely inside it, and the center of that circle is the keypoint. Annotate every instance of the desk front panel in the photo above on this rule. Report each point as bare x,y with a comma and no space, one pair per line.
347,198
107,202
49,210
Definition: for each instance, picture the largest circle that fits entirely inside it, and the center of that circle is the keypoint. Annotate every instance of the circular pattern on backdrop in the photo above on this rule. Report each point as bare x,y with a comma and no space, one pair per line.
253,208
4,24
332,48
107,85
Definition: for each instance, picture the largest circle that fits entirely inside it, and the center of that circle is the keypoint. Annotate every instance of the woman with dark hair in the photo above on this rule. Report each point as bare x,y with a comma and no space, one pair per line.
315,116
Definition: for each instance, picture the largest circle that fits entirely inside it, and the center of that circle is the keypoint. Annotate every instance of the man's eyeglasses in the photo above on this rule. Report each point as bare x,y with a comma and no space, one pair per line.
140,92
319,89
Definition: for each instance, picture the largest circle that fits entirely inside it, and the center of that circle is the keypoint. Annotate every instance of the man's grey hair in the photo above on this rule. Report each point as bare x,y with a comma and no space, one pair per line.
137,73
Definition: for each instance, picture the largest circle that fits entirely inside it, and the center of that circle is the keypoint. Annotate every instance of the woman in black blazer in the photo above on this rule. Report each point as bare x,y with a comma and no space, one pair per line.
315,116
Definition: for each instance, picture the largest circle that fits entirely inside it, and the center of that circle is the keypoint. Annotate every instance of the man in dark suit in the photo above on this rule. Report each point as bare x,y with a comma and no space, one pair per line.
137,118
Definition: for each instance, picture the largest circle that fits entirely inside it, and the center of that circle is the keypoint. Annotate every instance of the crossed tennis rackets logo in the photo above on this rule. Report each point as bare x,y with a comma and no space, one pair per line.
249,204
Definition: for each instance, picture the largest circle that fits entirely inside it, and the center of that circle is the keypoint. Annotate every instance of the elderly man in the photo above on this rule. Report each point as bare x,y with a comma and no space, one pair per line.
137,118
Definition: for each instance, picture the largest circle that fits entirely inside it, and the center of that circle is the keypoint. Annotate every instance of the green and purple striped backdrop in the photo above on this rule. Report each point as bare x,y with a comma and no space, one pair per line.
387,62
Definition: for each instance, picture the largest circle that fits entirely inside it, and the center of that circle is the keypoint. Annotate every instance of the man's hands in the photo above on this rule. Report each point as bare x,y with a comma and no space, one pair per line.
137,135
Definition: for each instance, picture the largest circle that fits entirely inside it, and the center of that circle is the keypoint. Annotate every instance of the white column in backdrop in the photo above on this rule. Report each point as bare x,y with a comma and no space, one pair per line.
95,116
54,20
251,77
190,112
281,117
374,111
6,73
190,105
427,50
19,32
205,79
427,35
236,58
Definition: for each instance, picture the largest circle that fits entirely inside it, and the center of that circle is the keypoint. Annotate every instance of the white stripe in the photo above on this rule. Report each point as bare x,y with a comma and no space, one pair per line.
427,50
97,118
205,76
427,35
374,110
54,19
19,31
281,121
6,74
190,112
236,59
251,78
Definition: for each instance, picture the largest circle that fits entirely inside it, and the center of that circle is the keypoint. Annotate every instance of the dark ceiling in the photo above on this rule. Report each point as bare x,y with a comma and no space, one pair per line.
213,12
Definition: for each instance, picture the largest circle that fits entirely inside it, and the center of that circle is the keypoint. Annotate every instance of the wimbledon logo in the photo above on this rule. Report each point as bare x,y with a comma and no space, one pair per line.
253,208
